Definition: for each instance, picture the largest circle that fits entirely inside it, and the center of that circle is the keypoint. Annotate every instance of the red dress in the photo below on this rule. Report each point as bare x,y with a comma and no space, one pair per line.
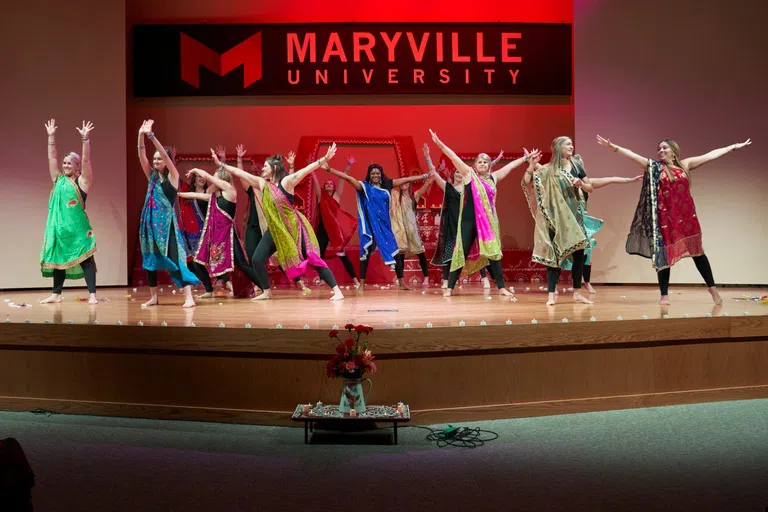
679,225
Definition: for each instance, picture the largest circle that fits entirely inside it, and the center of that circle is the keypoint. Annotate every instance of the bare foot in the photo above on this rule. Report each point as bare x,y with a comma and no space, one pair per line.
54,298
206,295
92,299
337,295
231,290
151,302
256,290
265,295
447,292
504,292
486,283
189,303
301,286
580,298
590,289
664,301
445,284
402,285
552,300
715,295
557,292
425,282
355,283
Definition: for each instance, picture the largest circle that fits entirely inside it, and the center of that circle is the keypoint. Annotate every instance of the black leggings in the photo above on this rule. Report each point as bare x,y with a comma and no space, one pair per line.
468,237
446,272
173,255
587,274
702,265
89,269
400,265
323,241
553,273
267,248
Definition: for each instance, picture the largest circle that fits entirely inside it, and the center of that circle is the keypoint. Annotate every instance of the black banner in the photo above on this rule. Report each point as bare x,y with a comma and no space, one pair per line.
352,58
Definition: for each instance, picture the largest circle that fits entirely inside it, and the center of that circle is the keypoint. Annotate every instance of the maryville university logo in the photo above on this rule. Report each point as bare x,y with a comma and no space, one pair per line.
195,54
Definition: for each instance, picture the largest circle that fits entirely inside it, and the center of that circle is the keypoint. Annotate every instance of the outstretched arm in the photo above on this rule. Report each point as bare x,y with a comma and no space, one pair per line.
606,143
346,177
86,171
424,188
247,178
697,161
410,179
217,182
146,128
337,195
53,159
458,163
504,171
496,160
195,195
316,186
290,181
613,180
435,172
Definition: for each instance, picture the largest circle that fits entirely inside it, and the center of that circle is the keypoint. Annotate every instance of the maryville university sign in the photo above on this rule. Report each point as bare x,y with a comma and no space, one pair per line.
352,58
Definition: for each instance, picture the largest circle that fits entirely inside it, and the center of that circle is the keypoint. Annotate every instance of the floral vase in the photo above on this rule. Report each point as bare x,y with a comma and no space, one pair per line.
352,396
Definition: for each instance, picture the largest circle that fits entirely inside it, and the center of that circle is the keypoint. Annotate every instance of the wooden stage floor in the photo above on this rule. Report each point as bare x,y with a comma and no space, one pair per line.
381,308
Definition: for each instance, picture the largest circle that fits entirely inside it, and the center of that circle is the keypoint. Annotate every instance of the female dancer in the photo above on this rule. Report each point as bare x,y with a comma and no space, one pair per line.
402,212
219,249
665,228
592,224
374,223
478,221
69,242
557,206
159,234
335,226
256,222
449,220
288,231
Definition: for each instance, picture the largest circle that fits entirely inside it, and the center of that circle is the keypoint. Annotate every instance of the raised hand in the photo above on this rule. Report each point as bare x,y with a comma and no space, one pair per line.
435,138
606,143
85,130
501,154
425,148
50,127
221,152
290,158
330,153
350,160
533,156
147,127
240,150
193,171
742,144
215,158
442,166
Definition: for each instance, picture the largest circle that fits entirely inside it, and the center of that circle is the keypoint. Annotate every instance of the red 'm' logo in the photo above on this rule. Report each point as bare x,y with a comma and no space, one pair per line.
195,54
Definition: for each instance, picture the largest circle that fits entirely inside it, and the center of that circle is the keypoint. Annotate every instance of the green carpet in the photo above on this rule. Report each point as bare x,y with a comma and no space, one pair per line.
695,457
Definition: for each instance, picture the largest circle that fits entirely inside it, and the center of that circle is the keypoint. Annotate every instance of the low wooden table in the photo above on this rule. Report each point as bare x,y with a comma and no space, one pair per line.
375,413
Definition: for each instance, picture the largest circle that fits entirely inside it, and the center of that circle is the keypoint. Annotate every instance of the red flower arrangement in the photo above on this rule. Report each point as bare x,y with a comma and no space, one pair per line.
352,358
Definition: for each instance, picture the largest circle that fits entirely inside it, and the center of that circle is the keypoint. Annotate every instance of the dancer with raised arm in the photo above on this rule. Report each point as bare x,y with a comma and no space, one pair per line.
557,205
159,233
402,212
288,230
374,225
335,227
69,243
665,228
219,249
478,242
449,220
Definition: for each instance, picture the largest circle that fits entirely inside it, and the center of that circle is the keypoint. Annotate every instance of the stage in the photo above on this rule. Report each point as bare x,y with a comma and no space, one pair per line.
475,355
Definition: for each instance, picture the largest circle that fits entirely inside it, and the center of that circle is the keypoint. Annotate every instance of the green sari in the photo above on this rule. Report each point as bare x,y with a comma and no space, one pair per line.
69,238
